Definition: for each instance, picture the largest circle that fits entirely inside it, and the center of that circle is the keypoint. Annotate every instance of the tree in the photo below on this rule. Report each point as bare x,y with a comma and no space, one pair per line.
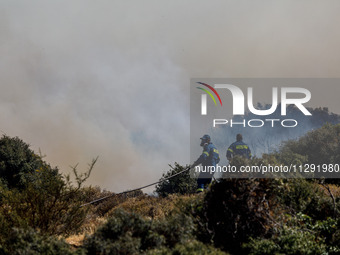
236,209
36,195
182,183
16,161
320,147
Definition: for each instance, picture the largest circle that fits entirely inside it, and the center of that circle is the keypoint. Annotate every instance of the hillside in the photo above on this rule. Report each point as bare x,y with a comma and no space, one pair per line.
41,210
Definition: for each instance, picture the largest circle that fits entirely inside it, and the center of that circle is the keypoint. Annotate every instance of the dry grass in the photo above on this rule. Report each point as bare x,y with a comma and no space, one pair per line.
152,207
333,188
146,206
89,227
76,240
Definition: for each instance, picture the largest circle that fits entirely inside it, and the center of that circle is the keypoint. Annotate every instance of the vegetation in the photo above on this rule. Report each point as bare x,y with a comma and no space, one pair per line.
46,201
180,184
31,242
39,207
17,162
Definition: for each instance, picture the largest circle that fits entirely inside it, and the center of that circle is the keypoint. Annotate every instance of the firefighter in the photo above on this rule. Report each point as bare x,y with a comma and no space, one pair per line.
238,148
209,157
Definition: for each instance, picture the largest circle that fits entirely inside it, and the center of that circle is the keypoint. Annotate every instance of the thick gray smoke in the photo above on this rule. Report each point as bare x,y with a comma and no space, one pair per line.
111,78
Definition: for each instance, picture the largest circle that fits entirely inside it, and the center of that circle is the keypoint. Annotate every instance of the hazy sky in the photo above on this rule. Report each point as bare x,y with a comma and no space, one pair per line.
111,78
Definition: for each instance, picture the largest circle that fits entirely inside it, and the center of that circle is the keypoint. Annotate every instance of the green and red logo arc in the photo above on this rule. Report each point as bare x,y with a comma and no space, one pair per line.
209,93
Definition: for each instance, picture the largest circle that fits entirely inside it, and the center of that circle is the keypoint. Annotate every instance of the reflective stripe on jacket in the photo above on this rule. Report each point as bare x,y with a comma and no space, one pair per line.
238,148
209,157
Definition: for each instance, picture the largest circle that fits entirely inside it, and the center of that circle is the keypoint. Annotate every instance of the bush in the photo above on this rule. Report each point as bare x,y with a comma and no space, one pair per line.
299,235
188,248
102,207
303,196
30,242
129,233
320,146
124,233
327,229
16,161
176,228
261,247
194,206
180,184
236,209
46,200
290,241
150,206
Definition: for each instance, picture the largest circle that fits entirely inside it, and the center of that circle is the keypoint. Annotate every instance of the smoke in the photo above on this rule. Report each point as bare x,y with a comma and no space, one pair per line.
82,78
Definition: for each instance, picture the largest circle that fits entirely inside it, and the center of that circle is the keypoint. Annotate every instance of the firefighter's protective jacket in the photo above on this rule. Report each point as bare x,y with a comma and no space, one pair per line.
238,148
209,157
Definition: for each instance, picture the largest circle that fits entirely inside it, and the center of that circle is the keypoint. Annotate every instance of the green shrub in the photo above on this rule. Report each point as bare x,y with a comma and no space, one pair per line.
261,247
49,203
124,233
30,242
320,146
194,207
188,248
304,196
290,241
180,184
296,241
46,200
129,233
327,229
334,243
176,228
236,209
299,235
16,161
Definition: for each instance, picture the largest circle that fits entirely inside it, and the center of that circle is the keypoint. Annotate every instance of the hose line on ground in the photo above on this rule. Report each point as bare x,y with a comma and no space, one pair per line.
128,191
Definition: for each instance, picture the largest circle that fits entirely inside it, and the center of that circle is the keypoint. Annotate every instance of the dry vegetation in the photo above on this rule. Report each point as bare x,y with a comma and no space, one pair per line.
39,207
149,207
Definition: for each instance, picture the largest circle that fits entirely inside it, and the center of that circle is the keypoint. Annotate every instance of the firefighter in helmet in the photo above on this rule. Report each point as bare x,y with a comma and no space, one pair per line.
209,157
238,148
